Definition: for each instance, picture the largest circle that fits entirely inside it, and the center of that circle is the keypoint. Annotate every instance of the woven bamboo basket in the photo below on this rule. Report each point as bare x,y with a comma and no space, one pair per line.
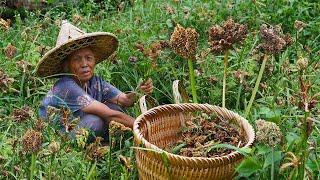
159,126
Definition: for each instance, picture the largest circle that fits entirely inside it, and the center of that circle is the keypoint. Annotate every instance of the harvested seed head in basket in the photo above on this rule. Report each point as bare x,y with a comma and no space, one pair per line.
204,131
273,40
222,38
184,42
32,141
268,133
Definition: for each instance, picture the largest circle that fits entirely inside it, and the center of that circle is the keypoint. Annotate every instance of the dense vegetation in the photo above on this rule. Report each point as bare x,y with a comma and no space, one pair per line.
286,95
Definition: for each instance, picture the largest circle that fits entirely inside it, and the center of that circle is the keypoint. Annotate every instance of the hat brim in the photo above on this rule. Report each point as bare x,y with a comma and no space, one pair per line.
103,44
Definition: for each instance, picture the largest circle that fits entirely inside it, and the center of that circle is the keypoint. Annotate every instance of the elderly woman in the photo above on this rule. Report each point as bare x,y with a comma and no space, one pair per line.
88,96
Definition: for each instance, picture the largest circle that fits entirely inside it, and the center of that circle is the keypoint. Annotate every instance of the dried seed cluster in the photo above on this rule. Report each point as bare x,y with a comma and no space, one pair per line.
24,65
156,48
204,131
299,25
5,24
302,63
117,129
21,115
10,51
306,103
273,41
241,75
5,81
268,133
184,42
32,141
40,125
95,151
54,147
223,37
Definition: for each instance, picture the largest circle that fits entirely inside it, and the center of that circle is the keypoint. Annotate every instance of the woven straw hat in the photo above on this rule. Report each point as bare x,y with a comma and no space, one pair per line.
71,38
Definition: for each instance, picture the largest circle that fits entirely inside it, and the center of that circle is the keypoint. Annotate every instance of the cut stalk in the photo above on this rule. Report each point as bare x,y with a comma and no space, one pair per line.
256,87
192,81
225,62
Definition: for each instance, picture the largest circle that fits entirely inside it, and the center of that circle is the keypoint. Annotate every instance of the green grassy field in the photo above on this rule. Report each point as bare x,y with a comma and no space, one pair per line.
138,25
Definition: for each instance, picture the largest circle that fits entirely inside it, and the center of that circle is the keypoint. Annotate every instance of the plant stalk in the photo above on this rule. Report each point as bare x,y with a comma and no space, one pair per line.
32,167
192,81
225,62
239,96
272,165
303,147
256,87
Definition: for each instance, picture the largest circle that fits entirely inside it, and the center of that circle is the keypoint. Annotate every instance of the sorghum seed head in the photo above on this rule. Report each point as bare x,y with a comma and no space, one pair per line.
302,63
94,151
223,37
54,147
21,115
52,112
116,129
40,125
273,41
10,51
133,59
268,133
184,42
299,25
32,141
5,81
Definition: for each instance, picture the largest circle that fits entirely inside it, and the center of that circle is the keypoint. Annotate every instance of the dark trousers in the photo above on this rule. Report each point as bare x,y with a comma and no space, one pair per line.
96,125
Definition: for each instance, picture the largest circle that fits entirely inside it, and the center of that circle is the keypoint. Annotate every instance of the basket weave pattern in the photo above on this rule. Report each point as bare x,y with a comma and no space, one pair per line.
159,127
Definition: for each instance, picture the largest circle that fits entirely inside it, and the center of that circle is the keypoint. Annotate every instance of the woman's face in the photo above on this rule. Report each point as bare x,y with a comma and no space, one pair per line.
81,63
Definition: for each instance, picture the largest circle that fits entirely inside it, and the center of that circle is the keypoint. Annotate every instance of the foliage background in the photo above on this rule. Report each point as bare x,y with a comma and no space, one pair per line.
144,22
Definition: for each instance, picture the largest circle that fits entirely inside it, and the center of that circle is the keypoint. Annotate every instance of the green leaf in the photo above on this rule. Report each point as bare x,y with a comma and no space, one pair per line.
291,138
276,157
176,149
269,114
244,150
248,167
262,149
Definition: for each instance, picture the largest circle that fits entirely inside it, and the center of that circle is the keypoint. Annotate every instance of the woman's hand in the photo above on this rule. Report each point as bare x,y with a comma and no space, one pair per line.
128,99
146,86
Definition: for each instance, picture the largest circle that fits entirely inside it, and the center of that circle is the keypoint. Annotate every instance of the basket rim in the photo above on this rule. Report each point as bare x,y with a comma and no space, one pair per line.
233,156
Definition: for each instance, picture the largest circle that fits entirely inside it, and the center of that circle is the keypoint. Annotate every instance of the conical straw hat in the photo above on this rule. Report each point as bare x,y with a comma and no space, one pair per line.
71,38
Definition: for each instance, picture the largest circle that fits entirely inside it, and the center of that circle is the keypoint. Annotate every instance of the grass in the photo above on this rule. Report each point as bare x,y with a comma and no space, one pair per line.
148,22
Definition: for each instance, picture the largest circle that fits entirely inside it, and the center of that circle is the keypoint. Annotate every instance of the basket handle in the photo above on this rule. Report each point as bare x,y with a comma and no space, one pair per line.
178,97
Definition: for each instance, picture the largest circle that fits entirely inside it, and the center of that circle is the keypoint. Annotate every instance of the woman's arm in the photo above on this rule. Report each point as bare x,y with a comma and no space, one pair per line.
103,111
